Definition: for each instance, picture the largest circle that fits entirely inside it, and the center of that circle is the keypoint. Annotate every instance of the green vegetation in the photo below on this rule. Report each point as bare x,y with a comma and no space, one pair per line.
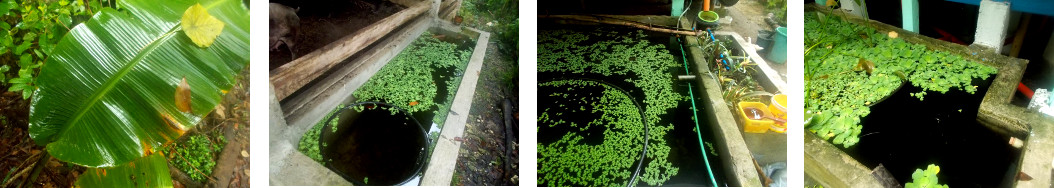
33,28
925,179
572,162
500,17
104,96
850,67
197,156
736,75
407,81
613,54
778,8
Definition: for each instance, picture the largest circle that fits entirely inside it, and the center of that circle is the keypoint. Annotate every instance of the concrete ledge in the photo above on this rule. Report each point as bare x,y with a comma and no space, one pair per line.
833,168
443,160
769,77
739,163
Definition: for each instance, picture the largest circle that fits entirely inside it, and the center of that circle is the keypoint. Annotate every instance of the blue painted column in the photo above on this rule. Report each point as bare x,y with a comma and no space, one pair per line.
910,15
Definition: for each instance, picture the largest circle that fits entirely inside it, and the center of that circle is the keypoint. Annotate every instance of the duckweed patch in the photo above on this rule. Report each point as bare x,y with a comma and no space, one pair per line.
309,142
576,159
197,155
408,80
850,67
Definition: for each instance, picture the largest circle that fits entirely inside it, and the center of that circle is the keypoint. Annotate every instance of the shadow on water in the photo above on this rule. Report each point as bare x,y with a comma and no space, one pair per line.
904,134
374,147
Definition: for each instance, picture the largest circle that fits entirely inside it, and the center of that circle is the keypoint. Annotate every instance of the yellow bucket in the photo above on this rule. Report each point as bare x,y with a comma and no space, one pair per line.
778,108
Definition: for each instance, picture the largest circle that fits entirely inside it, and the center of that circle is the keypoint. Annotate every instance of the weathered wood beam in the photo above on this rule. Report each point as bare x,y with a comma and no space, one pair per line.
296,74
614,21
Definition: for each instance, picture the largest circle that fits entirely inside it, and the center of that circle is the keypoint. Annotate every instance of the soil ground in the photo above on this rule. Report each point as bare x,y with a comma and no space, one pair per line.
322,22
482,159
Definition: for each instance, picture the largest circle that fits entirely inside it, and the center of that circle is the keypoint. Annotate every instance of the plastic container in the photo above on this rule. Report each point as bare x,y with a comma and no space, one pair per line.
708,18
753,114
778,54
778,108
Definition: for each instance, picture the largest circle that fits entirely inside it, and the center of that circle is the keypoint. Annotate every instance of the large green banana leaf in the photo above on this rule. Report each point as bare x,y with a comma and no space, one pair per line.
106,93
150,171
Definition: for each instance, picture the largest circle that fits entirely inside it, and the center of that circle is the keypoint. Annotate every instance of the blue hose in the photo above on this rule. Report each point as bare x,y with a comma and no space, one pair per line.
715,40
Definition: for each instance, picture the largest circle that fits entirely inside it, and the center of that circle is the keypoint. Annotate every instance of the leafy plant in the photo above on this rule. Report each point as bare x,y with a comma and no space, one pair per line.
925,178
106,94
197,156
500,17
149,171
735,75
840,88
778,8
30,31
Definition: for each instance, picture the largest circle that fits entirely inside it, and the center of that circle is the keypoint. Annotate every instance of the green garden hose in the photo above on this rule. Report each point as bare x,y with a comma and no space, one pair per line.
699,133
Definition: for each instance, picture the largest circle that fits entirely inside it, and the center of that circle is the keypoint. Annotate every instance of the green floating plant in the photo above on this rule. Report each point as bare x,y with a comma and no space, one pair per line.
614,54
197,156
571,162
850,67
407,80
309,142
925,178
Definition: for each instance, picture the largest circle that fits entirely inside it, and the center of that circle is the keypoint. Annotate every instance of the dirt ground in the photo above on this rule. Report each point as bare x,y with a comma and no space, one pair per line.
322,22
482,159
748,16
231,118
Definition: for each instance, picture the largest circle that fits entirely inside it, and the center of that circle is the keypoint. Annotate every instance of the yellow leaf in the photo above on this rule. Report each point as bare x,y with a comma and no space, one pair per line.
201,27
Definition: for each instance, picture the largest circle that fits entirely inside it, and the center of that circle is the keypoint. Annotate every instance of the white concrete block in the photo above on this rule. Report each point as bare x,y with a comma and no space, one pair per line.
993,18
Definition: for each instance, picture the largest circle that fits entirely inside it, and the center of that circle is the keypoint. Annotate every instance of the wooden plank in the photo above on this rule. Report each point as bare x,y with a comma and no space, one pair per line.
449,11
618,21
293,75
407,3
445,4
305,109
